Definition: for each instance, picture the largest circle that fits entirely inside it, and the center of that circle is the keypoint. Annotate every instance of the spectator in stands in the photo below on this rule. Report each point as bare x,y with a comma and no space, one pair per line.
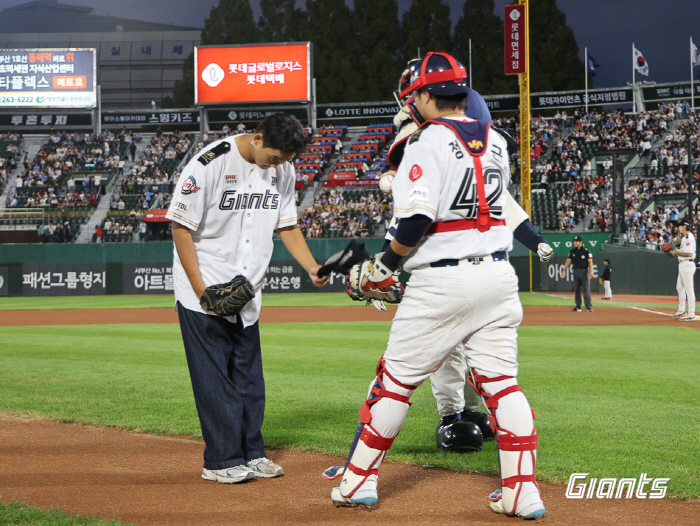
241,127
48,232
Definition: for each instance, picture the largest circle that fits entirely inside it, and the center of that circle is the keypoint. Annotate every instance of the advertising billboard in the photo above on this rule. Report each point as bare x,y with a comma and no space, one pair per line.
253,73
47,78
515,33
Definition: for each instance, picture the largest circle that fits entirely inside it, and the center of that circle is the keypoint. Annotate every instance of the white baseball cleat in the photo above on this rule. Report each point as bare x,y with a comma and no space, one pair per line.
687,317
264,468
679,314
232,475
533,511
363,497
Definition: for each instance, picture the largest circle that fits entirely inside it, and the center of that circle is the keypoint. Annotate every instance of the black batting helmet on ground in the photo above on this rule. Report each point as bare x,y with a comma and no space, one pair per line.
437,73
459,436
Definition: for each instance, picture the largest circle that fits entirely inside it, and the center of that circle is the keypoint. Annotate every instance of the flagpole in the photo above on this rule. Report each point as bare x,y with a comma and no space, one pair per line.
634,95
692,92
470,63
585,72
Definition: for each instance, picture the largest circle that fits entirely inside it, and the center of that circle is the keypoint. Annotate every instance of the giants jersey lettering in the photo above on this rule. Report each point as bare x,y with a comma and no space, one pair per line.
437,179
232,208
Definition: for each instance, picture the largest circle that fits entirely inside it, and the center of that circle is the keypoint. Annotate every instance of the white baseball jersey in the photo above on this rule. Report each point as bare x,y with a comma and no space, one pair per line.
425,184
232,208
687,246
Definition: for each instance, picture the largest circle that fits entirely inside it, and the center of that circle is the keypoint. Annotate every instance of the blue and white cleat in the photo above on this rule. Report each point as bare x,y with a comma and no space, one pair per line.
533,511
333,472
363,497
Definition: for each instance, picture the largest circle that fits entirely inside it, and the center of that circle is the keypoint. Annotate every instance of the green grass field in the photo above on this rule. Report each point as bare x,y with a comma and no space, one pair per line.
330,299
610,401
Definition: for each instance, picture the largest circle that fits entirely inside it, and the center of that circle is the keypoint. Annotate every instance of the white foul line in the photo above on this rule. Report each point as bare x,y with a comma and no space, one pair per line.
652,311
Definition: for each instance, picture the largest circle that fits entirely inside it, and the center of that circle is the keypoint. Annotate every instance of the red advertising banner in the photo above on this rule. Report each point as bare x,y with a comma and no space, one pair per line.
256,73
156,216
361,182
341,176
515,44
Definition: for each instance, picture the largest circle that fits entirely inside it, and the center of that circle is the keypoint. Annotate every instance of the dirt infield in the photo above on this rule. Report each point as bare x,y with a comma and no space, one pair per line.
534,316
154,480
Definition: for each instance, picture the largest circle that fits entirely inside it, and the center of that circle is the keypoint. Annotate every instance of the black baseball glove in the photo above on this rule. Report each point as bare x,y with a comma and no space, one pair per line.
227,299
341,262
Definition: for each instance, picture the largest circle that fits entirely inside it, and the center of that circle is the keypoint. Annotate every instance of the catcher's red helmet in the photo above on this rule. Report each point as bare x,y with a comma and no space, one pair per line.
437,73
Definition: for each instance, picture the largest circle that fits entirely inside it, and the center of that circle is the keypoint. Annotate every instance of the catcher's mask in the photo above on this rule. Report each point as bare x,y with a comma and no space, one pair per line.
460,436
437,73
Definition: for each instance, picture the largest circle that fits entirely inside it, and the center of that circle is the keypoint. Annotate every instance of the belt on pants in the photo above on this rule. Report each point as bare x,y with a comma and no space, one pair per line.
495,256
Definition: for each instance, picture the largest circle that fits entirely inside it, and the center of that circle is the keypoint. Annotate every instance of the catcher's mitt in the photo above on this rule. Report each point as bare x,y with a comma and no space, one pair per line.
227,299
601,280
382,284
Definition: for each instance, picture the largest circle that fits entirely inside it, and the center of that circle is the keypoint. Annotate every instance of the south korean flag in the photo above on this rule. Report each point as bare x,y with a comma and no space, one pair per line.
640,63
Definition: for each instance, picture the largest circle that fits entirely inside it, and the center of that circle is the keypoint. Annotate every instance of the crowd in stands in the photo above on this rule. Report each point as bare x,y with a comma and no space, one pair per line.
9,156
58,233
337,214
667,180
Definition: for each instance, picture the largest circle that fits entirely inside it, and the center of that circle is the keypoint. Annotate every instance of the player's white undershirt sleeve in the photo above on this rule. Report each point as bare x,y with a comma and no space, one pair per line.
514,213
286,181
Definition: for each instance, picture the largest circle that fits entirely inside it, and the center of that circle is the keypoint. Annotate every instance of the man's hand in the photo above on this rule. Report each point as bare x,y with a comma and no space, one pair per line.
545,252
590,274
318,282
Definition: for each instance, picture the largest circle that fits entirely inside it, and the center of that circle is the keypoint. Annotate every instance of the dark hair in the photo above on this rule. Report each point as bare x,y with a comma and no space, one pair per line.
282,132
606,261
450,102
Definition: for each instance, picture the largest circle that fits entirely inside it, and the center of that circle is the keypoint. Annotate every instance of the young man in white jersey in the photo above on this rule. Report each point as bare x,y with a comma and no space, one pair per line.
225,208
685,284
449,194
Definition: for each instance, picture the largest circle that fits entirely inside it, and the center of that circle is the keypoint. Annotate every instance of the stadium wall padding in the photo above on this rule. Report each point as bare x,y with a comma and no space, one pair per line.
635,271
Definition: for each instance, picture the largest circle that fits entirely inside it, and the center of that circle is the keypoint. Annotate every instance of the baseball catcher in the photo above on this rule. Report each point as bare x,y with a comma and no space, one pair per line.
227,299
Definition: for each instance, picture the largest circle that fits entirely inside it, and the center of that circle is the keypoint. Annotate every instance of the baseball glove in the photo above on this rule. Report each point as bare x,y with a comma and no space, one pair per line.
227,299
668,249
382,283
601,280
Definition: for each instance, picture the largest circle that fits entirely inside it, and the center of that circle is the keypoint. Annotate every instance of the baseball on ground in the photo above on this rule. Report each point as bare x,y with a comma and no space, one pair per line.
385,183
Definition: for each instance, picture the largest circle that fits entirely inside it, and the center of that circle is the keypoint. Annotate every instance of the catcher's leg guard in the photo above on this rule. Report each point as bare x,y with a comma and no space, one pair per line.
381,418
513,422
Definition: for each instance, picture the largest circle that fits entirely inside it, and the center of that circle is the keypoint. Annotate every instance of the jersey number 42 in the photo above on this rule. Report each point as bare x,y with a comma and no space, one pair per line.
467,199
